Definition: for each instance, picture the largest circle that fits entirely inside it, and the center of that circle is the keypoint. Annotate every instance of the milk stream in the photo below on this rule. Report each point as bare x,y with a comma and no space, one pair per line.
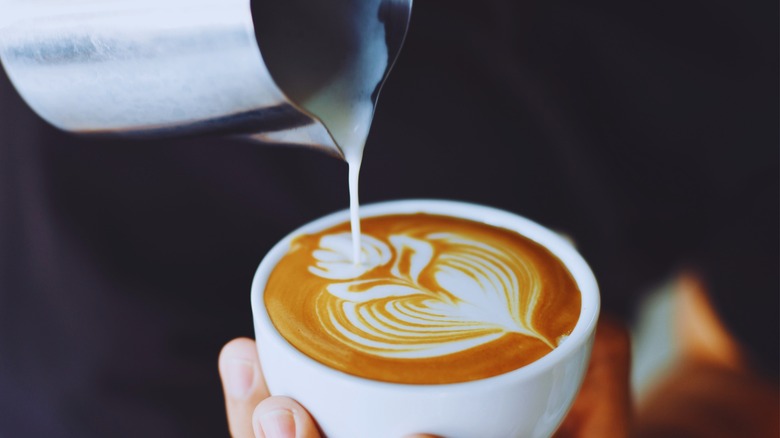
346,106
354,207
350,131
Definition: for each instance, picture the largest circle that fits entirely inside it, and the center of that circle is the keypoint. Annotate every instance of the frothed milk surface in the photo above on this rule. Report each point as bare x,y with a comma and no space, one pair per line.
434,299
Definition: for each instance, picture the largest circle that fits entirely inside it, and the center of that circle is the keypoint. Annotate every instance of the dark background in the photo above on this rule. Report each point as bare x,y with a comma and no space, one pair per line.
648,131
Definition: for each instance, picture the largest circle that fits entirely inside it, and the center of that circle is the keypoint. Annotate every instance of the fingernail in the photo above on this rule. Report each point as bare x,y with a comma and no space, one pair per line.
278,424
239,378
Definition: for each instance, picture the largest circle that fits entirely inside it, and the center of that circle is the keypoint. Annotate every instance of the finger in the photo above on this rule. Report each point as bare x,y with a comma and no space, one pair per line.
242,383
282,417
603,407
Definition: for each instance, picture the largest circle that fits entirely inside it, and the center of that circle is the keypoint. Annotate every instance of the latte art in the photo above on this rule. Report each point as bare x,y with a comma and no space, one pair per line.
472,295
429,299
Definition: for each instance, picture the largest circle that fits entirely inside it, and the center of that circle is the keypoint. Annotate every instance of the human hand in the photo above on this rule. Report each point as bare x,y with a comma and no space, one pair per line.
251,411
601,409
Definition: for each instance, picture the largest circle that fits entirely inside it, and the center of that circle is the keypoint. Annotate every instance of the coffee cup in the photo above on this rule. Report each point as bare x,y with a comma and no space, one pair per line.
530,401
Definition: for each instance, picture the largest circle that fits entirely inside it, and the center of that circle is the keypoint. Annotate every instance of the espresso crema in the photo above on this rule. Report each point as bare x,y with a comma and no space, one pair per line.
434,299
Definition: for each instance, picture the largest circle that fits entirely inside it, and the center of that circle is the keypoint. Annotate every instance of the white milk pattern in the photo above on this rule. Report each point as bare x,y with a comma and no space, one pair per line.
481,293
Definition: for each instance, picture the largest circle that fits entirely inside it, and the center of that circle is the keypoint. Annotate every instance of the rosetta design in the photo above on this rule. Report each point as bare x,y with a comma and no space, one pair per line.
421,297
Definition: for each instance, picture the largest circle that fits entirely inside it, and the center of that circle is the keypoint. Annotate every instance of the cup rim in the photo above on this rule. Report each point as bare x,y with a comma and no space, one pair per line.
555,243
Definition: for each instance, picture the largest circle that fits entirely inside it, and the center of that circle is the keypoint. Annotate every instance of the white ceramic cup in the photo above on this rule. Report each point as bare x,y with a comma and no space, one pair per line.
528,402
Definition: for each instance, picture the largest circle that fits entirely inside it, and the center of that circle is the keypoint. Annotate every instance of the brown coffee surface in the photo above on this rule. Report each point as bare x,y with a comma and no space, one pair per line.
434,300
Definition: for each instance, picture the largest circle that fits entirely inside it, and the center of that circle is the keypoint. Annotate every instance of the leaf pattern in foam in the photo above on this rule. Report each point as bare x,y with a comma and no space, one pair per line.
481,293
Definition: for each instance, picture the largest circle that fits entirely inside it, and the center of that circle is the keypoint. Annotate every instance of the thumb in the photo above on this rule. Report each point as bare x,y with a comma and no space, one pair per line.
282,417
243,384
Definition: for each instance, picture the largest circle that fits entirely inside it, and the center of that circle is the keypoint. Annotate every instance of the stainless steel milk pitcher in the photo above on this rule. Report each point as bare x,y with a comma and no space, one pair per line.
269,69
